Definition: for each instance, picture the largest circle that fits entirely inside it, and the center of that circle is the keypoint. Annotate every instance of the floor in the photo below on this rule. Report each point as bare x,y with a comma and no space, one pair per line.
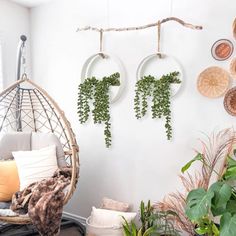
68,227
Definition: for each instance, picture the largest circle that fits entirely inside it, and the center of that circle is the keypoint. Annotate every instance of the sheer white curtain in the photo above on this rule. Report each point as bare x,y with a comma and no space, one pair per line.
1,64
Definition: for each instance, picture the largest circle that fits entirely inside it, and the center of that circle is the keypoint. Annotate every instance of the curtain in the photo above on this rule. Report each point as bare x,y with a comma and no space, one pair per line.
1,65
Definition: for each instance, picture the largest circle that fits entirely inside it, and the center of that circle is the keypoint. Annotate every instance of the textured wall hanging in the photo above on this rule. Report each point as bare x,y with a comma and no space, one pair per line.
222,49
234,28
232,68
213,82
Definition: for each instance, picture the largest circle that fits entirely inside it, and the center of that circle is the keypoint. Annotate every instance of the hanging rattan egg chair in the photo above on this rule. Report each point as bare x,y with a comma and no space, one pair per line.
24,107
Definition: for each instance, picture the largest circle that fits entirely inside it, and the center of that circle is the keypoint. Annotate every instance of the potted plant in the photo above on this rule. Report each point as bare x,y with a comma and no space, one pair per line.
205,207
160,92
93,89
208,193
153,222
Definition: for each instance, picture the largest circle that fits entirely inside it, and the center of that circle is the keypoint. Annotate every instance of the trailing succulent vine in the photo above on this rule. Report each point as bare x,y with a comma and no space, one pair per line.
160,91
97,91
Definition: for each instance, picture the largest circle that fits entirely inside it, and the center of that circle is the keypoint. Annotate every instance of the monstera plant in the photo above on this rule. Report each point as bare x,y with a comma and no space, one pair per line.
97,91
213,211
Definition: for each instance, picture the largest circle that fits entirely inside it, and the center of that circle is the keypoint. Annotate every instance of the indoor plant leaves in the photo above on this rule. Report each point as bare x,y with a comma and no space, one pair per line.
97,91
228,225
160,92
198,203
222,193
198,157
230,173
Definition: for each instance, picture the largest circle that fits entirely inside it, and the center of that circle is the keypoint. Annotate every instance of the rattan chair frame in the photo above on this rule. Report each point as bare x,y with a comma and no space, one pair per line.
41,112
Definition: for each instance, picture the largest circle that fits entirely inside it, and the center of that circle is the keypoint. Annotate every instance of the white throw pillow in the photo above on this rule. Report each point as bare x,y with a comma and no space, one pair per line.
103,217
35,165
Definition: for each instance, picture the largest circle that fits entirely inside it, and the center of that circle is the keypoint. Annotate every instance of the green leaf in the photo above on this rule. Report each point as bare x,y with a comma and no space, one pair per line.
230,173
227,225
198,203
215,230
149,231
140,232
198,157
231,161
222,193
201,230
231,206
134,230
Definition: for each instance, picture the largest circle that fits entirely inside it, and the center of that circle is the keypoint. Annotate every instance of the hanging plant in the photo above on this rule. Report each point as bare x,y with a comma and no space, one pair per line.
160,91
97,91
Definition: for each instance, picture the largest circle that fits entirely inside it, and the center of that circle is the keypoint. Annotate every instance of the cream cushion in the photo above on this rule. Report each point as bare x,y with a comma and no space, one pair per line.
108,218
35,165
41,140
111,204
9,180
15,141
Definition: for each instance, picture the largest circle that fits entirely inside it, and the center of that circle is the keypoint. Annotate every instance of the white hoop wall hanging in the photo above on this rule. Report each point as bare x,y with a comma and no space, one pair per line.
89,63
161,57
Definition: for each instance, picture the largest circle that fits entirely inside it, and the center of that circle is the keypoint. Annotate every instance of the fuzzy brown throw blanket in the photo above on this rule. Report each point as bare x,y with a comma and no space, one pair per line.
43,201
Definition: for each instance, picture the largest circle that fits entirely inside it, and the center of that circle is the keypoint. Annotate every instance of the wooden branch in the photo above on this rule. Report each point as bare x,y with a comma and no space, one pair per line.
188,25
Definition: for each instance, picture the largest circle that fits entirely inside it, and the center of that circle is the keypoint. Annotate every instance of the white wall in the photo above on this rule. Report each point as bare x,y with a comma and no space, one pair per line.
14,21
141,164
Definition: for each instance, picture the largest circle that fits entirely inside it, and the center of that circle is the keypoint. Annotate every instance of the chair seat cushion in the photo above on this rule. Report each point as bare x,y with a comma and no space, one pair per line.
5,205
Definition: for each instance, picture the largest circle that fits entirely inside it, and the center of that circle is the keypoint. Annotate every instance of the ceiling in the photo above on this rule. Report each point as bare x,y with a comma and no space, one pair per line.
30,3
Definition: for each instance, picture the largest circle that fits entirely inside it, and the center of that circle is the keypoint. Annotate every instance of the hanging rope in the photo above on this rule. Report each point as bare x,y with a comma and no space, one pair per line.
188,25
158,38
101,35
101,44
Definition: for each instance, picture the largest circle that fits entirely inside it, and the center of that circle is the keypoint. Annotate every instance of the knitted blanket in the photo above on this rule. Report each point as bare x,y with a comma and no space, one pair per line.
43,201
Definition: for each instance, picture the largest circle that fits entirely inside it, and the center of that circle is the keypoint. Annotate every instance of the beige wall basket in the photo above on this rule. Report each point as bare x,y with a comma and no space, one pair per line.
213,82
234,28
233,68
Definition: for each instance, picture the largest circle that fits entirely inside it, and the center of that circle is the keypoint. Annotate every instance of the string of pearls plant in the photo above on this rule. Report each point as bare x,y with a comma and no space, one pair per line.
160,91
97,91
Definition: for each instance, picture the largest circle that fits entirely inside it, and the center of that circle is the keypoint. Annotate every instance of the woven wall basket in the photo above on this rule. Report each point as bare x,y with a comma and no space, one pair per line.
230,101
213,82
234,28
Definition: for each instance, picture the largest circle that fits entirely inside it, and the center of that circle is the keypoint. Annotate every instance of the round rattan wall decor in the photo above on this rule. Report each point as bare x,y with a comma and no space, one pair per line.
232,68
213,82
230,101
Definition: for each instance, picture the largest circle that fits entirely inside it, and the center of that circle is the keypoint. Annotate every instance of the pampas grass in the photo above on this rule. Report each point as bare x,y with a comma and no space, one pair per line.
214,149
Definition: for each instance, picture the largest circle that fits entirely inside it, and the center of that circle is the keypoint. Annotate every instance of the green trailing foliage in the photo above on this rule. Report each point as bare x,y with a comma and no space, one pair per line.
97,91
202,206
153,222
160,91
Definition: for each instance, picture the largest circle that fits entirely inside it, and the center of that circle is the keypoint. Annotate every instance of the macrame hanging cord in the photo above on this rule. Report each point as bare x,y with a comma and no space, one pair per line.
101,44
158,38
